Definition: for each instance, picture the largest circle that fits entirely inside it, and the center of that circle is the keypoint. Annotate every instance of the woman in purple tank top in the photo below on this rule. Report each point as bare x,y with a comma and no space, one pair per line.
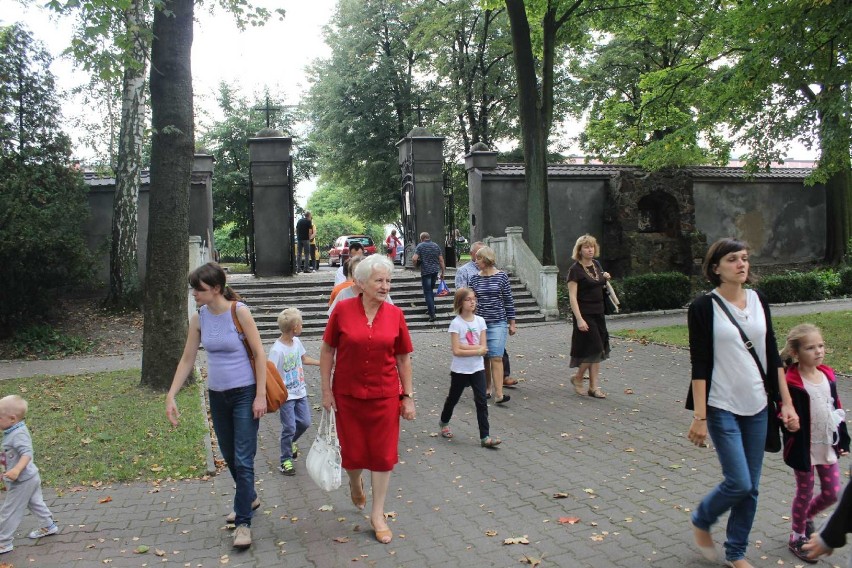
237,397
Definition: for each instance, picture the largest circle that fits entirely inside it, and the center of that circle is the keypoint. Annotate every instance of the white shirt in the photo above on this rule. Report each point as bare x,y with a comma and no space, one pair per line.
737,385
822,421
339,277
288,360
469,332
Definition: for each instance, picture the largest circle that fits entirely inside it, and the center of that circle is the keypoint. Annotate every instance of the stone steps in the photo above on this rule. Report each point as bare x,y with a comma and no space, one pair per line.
310,293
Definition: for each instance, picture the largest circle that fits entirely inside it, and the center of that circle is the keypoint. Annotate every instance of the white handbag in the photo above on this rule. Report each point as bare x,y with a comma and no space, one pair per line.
324,456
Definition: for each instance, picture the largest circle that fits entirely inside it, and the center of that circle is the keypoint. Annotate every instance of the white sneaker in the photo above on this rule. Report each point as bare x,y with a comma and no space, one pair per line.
8,548
242,537
44,531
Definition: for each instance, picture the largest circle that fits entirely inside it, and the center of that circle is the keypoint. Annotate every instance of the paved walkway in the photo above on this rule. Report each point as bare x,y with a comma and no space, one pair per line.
627,477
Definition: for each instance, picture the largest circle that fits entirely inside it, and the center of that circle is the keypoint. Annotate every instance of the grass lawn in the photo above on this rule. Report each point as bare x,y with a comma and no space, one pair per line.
101,428
836,329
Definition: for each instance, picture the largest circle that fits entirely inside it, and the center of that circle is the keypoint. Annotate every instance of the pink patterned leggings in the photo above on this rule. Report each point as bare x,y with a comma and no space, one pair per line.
805,505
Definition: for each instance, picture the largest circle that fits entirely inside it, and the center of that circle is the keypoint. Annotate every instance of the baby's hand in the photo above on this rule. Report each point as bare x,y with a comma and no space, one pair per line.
843,453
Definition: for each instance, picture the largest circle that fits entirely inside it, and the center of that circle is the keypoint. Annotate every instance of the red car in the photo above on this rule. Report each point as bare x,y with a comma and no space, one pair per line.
340,251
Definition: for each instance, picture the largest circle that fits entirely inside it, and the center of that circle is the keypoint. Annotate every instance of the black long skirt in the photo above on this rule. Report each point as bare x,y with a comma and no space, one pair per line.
590,346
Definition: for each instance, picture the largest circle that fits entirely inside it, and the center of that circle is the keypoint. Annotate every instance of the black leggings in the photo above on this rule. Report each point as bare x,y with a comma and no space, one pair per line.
458,382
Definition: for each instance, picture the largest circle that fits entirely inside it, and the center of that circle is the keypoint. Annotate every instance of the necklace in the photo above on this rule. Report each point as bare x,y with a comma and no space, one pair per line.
593,273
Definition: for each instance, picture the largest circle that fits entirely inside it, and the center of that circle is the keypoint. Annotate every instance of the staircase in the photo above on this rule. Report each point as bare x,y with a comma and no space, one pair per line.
309,292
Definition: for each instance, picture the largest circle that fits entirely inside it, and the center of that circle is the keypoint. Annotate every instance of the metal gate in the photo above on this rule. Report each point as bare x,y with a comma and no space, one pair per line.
407,208
450,252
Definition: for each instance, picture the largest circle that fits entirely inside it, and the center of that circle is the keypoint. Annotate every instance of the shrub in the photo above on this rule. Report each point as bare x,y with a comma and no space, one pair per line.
845,276
646,292
830,281
792,287
41,341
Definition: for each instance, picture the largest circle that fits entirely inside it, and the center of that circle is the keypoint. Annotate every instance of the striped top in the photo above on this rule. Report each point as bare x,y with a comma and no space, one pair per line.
494,302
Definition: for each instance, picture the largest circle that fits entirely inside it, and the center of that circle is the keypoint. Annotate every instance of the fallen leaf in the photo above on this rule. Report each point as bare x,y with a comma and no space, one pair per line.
390,515
532,561
106,499
628,391
560,495
517,540
159,552
341,539
490,533
675,466
569,520
327,508
141,549
589,491
630,450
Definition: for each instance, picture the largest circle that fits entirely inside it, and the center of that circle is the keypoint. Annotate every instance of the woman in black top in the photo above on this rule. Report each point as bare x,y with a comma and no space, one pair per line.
590,339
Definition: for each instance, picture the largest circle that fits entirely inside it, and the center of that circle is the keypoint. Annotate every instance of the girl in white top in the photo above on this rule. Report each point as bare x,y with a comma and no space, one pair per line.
468,340
822,437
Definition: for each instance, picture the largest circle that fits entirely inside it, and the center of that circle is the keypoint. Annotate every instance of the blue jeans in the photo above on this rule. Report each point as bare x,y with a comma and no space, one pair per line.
295,418
236,430
428,281
739,442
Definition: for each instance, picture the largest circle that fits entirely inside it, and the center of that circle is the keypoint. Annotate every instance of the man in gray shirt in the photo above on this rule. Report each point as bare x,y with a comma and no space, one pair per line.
431,261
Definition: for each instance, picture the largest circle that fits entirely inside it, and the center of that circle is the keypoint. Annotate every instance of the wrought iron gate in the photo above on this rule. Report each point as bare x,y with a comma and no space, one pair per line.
407,208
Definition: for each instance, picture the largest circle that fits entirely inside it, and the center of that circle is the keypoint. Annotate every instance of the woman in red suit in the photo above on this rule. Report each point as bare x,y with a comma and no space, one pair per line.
366,341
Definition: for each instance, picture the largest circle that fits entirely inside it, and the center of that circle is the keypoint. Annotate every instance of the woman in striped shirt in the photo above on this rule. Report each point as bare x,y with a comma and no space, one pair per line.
494,304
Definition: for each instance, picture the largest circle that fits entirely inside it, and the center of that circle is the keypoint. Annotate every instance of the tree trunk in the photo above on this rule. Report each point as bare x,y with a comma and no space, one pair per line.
172,150
124,285
534,133
835,133
838,196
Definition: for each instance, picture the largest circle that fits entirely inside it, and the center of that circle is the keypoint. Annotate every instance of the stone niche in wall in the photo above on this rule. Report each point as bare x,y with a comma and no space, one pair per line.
651,227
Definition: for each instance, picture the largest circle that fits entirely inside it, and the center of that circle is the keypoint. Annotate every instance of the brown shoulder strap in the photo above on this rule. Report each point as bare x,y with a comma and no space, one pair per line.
242,335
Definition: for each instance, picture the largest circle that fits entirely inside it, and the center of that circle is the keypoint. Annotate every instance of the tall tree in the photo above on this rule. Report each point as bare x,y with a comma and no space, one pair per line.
42,195
650,86
172,149
792,82
361,102
468,52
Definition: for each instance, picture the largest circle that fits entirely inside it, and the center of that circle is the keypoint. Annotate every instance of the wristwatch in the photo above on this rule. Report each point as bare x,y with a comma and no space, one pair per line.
407,395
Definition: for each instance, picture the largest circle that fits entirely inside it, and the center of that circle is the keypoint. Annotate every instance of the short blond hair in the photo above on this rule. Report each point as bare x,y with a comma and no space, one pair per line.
486,254
288,319
583,241
14,405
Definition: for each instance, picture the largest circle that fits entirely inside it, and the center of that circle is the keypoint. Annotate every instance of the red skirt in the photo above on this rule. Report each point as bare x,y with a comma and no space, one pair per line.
368,430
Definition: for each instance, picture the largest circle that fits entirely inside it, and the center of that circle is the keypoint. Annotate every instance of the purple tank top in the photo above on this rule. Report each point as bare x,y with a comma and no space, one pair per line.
228,365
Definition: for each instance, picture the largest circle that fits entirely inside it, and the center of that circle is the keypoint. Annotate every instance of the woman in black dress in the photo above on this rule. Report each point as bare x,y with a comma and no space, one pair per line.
590,339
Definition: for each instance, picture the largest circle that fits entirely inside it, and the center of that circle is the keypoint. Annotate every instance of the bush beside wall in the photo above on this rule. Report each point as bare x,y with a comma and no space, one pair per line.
647,292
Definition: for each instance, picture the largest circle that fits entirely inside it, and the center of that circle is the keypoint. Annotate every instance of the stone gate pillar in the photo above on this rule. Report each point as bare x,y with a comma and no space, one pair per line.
423,153
269,157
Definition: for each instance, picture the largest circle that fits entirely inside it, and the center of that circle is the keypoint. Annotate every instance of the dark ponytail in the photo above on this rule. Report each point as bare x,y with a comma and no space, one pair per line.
212,275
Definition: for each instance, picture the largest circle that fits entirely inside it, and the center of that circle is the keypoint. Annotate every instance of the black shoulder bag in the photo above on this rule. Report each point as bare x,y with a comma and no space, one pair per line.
773,426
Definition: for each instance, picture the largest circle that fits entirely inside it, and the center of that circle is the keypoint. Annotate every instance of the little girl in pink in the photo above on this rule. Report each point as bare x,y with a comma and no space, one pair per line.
822,436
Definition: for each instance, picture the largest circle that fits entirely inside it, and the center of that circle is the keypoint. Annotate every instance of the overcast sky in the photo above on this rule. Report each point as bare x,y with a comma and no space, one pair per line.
274,55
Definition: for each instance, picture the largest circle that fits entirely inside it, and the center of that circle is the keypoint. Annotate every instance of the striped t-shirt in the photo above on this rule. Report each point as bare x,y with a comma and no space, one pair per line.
494,302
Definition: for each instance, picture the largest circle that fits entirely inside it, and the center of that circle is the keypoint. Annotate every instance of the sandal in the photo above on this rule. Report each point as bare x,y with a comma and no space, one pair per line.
359,499
382,535
445,431
510,382
597,393
578,386
490,442
504,399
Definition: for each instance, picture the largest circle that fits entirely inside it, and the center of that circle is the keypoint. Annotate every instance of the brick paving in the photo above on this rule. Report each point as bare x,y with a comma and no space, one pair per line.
627,472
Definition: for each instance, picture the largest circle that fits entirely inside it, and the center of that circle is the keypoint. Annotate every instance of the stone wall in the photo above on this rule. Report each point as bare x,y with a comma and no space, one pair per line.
98,230
656,222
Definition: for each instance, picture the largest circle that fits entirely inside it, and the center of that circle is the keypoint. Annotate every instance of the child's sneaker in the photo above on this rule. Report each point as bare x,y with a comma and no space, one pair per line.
8,548
294,449
287,468
44,531
795,547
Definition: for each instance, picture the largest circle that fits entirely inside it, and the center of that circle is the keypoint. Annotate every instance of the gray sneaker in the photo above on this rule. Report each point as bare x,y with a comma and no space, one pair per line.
44,531
232,516
242,537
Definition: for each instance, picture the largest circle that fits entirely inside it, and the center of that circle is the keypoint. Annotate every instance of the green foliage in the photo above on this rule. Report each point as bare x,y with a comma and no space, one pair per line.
793,287
42,341
845,287
231,246
646,292
42,198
